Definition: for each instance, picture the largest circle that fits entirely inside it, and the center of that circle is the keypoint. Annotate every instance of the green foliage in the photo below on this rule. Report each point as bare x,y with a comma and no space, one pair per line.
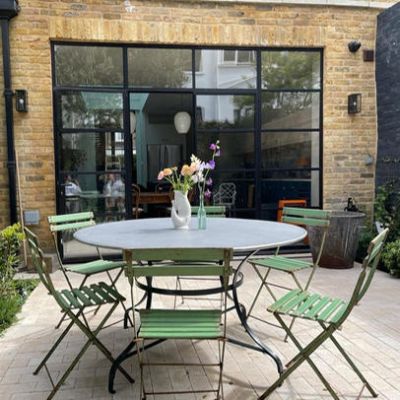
366,236
391,257
11,303
387,210
10,241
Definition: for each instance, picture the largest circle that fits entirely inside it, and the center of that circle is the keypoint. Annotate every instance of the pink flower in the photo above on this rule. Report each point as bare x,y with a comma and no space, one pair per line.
207,193
213,147
209,182
160,175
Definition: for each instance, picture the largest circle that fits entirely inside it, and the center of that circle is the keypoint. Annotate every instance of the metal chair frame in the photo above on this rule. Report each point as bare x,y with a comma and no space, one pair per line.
194,324
299,216
70,223
330,314
73,302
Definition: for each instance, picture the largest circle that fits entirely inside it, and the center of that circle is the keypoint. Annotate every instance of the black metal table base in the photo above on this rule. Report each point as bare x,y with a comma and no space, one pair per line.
237,281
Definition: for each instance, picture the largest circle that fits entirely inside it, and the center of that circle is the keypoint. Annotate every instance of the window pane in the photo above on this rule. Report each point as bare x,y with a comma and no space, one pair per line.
246,56
293,110
237,149
88,66
289,150
229,55
155,67
225,112
290,70
92,110
281,185
227,74
89,151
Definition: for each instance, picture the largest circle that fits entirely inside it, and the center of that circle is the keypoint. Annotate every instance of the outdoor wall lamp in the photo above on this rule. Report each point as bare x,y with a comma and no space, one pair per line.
354,103
353,46
182,121
21,100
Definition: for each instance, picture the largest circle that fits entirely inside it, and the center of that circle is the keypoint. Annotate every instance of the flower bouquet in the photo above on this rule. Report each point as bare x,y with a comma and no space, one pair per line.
197,173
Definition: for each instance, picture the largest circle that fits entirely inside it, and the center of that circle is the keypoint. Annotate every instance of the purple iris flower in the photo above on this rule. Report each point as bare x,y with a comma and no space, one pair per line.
211,164
213,146
207,194
209,182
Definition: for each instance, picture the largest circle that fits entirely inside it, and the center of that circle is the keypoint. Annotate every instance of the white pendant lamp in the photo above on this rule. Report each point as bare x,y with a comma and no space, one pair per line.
182,121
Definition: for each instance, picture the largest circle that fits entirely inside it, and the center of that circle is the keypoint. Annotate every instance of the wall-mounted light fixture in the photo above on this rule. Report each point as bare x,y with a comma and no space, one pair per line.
354,103
182,121
353,46
21,100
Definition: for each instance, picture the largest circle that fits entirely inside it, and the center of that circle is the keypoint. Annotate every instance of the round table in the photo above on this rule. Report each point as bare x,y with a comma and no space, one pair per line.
242,235
154,233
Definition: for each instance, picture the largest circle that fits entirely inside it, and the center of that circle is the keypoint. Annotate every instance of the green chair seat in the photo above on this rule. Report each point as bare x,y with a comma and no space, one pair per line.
281,263
180,324
311,306
95,295
94,267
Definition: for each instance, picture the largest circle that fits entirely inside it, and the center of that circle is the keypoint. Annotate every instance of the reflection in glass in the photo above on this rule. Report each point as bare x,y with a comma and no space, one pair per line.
88,65
244,183
91,151
225,111
102,193
237,149
157,141
289,150
156,67
290,70
278,185
91,110
226,69
290,110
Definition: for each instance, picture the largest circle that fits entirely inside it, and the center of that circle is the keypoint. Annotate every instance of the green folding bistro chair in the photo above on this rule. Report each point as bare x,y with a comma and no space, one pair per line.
73,302
67,224
212,212
193,324
299,216
330,313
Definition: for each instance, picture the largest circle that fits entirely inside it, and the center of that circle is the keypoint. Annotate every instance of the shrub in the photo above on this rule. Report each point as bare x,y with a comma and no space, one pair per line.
10,241
391,257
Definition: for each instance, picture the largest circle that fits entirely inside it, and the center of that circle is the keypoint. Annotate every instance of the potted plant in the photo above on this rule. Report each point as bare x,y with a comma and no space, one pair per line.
391,258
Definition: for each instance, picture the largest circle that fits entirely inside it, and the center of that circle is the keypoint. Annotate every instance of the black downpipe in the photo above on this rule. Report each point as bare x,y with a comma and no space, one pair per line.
8,95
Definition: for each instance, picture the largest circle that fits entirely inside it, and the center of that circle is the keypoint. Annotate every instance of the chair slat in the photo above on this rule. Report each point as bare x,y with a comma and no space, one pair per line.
92,295
181,254
305,221
71,226
71,298
175,270
65,218
307,212
102,293
287,297
313,312
82,297
110,290
307,304
329,310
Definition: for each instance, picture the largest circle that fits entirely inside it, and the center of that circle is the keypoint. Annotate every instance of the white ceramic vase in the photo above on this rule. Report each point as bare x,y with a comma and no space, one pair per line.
181,212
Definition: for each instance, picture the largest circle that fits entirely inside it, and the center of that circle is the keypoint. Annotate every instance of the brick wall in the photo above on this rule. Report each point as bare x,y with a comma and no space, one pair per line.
347,139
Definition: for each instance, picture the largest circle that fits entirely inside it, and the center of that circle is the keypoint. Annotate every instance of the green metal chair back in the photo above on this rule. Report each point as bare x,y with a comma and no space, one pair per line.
39,263
179,256
68,223
309,217
368,269
211,211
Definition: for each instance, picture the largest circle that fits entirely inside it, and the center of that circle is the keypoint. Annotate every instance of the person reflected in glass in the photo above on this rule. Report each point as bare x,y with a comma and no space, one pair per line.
72,193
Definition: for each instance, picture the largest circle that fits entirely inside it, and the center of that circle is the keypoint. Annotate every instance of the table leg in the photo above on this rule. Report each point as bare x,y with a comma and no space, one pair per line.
241,312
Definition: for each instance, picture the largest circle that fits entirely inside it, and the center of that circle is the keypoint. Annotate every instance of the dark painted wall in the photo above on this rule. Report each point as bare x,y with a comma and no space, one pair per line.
388,95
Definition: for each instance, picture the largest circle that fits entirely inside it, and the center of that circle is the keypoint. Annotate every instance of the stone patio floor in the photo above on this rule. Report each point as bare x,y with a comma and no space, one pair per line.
371,335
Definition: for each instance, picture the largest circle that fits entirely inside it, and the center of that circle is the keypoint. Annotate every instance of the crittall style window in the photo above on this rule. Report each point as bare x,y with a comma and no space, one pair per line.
114,123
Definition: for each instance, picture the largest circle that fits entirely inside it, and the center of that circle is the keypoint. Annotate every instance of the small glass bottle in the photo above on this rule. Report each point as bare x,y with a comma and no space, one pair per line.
201,214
